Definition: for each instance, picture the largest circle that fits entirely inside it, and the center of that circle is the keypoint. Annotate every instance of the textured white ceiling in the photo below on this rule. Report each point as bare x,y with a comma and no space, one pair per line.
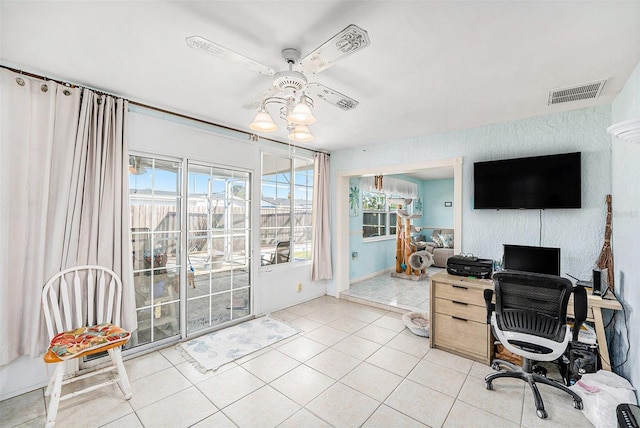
432,67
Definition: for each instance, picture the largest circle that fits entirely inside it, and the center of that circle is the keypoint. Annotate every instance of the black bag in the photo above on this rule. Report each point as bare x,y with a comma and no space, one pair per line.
580,358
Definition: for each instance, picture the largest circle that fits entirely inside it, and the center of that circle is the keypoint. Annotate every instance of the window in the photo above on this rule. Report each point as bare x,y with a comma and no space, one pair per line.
285,211
378,217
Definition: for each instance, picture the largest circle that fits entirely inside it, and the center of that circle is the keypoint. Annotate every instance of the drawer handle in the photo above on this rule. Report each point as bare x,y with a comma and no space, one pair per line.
460,286
459,303
458,318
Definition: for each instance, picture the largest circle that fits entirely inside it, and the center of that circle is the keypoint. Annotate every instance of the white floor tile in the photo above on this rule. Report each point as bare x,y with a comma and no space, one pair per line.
417,346
342,406
229,386
302,384
23,408
145,365
393,360
129,421
152,388
463,415
332,363
434,376
421,403
373,381
505,400
302,348
327,335
165,413
447,359
306,419
385,416
217,420
265,407
270,365
98,410
377,334
357,347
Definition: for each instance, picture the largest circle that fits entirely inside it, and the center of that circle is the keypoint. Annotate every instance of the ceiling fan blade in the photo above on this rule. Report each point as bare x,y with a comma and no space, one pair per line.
256,102
348,41
215,49
316,90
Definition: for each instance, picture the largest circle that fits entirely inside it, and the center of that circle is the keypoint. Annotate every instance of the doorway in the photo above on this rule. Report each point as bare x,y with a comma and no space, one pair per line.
343,232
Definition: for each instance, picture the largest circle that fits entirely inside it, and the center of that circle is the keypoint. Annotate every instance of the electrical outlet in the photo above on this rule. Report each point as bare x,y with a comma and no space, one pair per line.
299,287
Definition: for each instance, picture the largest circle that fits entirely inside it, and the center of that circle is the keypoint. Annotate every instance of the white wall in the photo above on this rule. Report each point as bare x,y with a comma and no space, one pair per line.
158,133
625,177
273,287
578,232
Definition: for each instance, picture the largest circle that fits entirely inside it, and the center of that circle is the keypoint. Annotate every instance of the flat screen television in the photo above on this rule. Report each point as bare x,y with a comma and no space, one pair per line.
531,259
539,182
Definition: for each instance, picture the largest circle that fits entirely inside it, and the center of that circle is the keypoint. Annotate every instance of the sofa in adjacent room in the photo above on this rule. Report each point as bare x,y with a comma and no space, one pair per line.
440,245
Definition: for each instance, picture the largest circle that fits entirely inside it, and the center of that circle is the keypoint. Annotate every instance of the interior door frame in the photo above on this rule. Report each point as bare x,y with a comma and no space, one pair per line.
342,210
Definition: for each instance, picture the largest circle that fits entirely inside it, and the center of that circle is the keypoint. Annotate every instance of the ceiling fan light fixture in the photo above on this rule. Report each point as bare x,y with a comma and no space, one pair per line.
263,122
300,134
302,115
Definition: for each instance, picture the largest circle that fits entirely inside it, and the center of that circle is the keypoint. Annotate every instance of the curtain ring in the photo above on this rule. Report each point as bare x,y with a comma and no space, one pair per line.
66,92
44,88
20,81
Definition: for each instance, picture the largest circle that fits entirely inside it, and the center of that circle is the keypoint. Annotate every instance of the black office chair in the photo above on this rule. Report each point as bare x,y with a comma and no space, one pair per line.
530,320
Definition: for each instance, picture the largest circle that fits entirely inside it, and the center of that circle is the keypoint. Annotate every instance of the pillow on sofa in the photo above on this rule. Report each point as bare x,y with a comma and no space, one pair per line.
447,240
438,240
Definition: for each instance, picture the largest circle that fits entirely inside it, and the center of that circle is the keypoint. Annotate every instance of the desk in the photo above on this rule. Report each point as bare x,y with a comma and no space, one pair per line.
458,317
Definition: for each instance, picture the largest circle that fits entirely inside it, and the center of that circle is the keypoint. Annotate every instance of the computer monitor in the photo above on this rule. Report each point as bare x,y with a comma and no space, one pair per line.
531,259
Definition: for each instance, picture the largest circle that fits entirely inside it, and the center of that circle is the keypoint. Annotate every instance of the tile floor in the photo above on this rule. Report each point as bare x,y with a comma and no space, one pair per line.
385,291
351,365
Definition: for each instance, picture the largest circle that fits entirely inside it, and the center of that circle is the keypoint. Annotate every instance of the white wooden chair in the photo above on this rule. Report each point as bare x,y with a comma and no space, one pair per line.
82,310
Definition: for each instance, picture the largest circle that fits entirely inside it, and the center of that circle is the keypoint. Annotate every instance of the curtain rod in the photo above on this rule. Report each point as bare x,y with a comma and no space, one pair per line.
253,137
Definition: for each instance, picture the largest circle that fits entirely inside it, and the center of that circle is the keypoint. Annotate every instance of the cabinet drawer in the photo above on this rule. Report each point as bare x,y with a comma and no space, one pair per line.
467,338
461,310
460,293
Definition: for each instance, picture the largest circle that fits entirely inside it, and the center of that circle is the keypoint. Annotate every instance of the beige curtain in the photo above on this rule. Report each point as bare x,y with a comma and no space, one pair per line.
321,266
63,198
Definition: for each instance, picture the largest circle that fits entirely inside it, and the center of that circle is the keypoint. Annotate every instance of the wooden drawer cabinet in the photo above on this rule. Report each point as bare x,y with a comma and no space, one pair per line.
459,317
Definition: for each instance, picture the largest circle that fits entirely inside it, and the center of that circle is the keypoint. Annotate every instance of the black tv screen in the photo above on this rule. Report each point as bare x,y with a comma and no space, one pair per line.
539,182
531,259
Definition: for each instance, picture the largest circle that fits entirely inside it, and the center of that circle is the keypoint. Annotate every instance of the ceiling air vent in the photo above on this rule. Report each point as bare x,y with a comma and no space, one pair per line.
575,93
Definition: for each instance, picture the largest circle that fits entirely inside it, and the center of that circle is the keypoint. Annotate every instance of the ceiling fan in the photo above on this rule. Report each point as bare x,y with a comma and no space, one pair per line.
290,88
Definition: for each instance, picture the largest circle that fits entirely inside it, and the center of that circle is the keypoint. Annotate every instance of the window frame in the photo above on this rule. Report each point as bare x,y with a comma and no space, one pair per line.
268,252
389,225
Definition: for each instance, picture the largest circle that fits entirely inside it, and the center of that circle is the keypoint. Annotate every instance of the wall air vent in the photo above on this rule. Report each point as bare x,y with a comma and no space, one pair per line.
575,93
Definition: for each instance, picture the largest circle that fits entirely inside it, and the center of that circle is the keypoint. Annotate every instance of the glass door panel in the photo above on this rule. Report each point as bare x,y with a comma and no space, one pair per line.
218,257
155,201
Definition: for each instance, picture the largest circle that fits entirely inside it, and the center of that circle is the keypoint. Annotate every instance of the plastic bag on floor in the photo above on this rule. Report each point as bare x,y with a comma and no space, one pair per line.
601,392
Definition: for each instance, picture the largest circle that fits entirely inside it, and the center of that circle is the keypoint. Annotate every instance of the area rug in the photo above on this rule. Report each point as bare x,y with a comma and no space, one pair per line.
215,349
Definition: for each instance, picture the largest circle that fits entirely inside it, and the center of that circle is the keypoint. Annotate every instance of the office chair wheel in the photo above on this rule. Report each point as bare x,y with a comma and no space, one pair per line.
495,366
489,386
578,405
542,413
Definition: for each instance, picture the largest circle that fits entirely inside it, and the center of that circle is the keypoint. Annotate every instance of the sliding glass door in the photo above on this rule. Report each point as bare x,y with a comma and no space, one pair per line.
218,243
206,232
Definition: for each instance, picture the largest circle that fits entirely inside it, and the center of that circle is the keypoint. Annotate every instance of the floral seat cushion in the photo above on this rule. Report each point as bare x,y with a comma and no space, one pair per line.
69,344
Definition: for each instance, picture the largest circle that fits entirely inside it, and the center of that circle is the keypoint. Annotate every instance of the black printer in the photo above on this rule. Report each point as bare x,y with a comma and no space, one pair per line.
470,266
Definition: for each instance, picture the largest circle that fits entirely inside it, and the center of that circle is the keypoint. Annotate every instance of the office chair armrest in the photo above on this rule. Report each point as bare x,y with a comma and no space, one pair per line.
579,309
488,295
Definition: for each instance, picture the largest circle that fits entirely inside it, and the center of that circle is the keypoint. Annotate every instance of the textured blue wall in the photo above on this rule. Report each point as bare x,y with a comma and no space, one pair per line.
578,232
626,233
435,194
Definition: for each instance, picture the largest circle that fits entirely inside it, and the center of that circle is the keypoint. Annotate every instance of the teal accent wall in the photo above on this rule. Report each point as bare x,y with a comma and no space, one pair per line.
435,194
